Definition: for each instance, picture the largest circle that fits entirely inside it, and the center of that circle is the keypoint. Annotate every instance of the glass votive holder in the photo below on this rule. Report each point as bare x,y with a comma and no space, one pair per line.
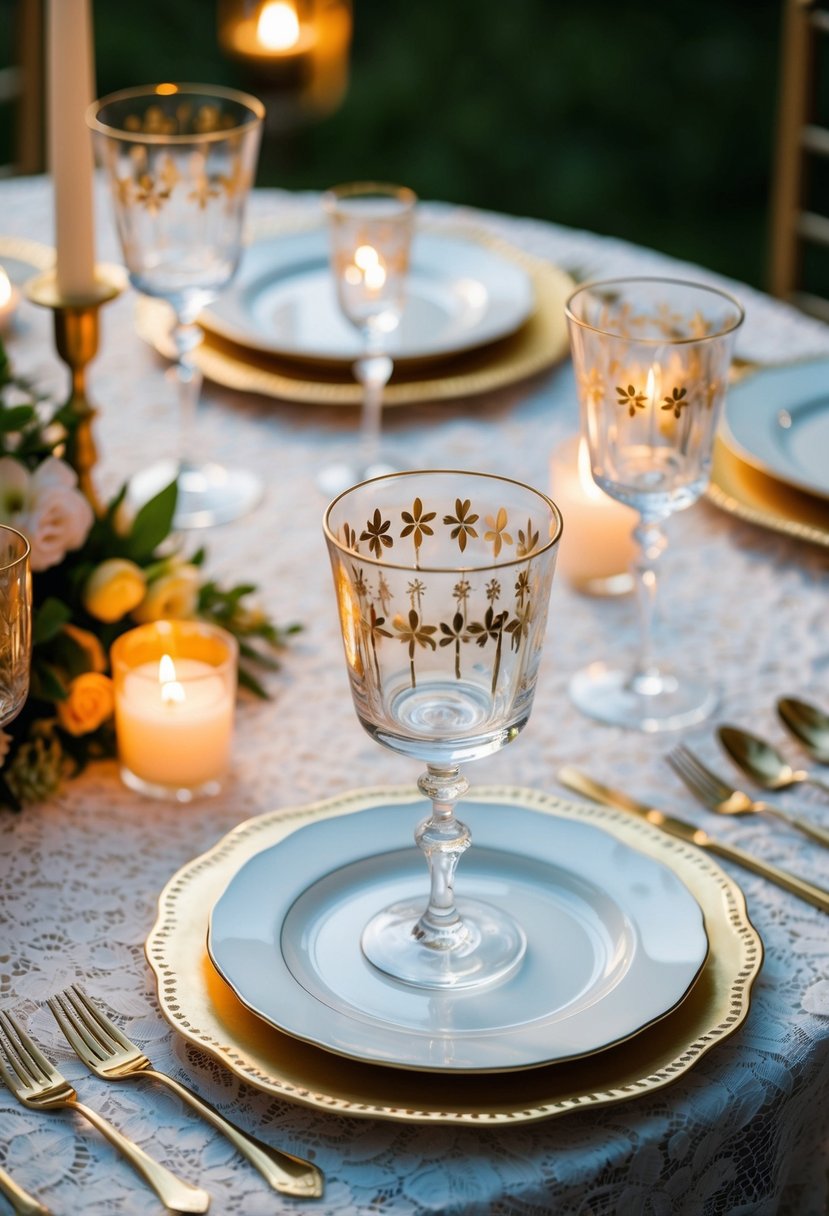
597,546
175,692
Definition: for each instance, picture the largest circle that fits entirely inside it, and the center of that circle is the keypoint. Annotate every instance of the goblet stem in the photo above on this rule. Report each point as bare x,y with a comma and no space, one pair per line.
186,338
373,372
651,541
443,839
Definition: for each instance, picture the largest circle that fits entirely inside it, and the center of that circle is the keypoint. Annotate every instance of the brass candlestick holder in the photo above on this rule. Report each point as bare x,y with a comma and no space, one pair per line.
76,341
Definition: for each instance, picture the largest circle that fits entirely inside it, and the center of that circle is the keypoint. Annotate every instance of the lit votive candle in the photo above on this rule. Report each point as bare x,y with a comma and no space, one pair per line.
597,545
175,690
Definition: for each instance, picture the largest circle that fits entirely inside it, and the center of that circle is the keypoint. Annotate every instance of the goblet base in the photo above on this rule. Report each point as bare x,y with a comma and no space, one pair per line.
208,494
657,702
484,946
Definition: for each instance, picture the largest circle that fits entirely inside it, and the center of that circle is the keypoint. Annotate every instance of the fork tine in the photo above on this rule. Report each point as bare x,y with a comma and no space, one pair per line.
679,763
81,1042
718,787
28,1062
97,1020
695,776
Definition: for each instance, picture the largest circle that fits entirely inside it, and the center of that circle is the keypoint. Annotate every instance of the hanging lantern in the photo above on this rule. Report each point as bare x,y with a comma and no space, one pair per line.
296,49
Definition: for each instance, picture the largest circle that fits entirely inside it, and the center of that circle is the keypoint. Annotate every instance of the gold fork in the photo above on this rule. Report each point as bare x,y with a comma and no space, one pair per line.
38,1084
718,796
107,1052
23,1204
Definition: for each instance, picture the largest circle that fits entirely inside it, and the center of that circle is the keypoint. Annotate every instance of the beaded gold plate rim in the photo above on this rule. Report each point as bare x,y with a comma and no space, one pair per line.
758,498
538,344
203,1009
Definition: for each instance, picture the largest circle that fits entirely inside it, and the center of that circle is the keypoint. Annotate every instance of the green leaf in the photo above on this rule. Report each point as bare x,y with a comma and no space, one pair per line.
49,619
252,684
46,682
152,524
14,417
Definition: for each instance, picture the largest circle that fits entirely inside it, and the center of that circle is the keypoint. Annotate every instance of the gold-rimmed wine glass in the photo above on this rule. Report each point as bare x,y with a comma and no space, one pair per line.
181,159
15,622
370,227
652,358
443,580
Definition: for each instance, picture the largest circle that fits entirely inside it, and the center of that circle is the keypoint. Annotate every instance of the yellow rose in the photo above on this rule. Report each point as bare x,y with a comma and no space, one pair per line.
89,644
90,702
171,597
114,589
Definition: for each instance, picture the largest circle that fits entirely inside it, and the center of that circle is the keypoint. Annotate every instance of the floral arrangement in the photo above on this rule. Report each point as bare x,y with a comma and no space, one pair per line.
93,577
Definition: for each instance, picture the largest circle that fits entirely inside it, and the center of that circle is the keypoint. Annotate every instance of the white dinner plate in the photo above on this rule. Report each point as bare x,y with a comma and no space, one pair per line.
777,420
615,940
460,294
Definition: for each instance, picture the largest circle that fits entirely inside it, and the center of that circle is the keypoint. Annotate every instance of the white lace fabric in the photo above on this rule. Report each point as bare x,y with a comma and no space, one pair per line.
745,1130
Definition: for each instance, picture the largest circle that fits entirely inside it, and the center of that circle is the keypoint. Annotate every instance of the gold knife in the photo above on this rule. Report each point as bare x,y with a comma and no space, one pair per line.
576,780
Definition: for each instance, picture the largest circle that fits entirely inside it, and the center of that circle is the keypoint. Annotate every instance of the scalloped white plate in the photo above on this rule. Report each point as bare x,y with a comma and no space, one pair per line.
615,940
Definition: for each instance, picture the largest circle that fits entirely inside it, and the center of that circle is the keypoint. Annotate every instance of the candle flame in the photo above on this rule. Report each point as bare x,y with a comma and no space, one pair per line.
172,693
591,490
652,386
5,287
278,26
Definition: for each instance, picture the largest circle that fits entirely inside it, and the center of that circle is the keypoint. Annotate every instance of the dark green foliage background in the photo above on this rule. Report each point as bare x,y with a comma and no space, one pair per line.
651,120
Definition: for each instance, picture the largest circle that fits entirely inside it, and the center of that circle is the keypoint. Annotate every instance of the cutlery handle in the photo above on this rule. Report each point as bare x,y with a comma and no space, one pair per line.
285,1173
174,1193
816,896
796,821
22,1202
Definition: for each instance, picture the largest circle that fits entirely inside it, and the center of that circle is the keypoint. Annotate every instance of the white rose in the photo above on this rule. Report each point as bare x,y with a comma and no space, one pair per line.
46,506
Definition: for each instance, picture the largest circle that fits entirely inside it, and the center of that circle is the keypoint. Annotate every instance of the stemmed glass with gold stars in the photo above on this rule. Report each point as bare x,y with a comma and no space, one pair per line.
180,160
651,358
442,582
15,622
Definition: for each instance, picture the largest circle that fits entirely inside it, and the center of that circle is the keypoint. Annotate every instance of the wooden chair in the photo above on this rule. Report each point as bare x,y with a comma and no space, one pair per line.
800,201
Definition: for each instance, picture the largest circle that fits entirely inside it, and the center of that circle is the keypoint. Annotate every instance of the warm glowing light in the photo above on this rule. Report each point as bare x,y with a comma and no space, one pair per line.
166,90
375,277
586,481
5,288
366,256
172,692
278,26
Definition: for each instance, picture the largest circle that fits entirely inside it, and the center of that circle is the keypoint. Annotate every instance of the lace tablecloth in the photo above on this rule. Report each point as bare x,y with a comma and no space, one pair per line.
744,1131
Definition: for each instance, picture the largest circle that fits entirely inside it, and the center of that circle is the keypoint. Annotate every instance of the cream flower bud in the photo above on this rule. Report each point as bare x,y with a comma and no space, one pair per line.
173,596
113,589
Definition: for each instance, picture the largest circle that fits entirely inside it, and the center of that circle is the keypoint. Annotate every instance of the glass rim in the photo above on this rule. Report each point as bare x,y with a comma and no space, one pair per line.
26,548
185,625
594,284
334,195
477,567
170,89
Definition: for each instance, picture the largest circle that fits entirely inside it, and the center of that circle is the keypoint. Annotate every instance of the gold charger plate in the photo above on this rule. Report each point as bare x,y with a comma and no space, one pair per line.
197,1002
537,345
745,492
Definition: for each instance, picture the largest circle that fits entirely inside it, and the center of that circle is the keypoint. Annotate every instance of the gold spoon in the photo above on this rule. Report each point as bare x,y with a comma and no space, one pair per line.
763,763
808,724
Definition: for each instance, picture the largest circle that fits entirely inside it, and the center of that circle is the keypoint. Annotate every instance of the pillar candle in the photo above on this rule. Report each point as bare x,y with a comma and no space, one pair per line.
597,546
70,90
175,687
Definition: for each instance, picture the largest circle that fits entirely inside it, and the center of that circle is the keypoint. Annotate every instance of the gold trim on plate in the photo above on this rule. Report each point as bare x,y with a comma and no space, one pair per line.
203,1008
757,498
539,343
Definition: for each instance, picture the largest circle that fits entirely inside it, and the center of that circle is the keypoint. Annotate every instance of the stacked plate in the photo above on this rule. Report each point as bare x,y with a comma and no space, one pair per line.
640,958
480,314
771,463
